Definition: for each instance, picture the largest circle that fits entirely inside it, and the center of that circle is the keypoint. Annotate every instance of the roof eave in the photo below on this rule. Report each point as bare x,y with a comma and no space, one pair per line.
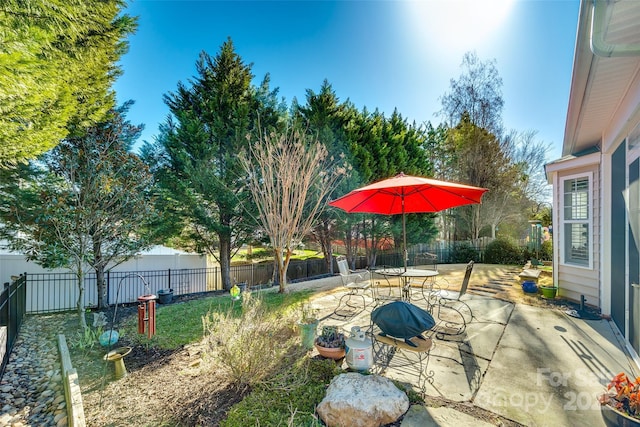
583,61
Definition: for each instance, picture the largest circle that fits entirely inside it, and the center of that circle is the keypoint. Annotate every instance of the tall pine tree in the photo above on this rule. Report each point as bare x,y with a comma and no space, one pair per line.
198,147
58,61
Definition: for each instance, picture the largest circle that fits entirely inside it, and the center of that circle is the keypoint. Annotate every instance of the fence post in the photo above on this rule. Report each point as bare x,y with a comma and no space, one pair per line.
5,328
4,308
108,285
23,297
12,321
169,279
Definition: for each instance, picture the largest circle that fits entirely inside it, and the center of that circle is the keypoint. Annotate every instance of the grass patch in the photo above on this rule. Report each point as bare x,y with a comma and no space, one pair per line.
179,324
287,399
290,398
266,254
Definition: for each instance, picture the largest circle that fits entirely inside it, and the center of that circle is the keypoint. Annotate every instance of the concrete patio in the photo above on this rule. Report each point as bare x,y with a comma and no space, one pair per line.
535,366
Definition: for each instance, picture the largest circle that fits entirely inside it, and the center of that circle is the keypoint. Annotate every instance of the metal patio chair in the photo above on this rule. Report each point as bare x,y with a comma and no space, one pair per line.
387,284
399,341
426,260
450,301
357,282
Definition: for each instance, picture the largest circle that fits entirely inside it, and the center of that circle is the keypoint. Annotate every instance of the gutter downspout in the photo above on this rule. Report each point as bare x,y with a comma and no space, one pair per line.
600,17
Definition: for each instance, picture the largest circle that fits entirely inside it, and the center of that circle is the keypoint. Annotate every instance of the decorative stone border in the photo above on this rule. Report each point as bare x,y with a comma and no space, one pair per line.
73,396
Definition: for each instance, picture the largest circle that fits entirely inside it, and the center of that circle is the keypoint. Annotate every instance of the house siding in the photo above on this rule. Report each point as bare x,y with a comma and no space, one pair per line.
574,282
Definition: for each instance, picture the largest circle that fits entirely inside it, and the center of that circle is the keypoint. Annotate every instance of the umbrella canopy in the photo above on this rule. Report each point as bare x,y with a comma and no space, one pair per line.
404,194
408,194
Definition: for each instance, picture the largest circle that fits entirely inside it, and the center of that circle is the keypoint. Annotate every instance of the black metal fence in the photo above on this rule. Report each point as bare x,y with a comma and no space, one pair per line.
450,253
12,309
53,292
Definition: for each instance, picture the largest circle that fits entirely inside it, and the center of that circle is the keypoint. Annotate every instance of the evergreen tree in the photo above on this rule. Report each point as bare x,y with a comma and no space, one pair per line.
382,148
197,151
326,119
57,64
84,205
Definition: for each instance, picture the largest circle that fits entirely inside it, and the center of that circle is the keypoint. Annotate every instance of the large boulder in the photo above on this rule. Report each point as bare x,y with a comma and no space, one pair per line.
357,400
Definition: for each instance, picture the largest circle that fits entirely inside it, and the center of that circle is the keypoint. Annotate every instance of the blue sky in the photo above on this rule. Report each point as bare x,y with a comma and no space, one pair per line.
378,54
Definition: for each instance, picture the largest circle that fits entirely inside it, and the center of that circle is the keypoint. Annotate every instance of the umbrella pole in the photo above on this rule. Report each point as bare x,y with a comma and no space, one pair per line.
404,238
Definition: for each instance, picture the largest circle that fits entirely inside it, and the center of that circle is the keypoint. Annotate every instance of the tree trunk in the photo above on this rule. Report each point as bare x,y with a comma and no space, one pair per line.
323,235
98,267
276,271
225,260
371,249
79,303
476,223
328,257
365,240
282,259
348,242
281,272
103,299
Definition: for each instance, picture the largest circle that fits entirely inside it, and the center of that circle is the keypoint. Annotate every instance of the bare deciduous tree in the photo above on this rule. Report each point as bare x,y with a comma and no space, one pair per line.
477,93
290,179
524,149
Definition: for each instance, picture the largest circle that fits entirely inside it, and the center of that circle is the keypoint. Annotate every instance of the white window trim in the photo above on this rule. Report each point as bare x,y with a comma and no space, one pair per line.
589,176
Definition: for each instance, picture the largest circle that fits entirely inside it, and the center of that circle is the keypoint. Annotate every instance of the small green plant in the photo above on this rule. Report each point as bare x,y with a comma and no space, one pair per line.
308,314
415,398
86,339
331,337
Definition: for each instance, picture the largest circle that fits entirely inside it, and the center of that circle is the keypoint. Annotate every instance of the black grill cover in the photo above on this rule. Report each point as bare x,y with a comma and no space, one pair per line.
402,320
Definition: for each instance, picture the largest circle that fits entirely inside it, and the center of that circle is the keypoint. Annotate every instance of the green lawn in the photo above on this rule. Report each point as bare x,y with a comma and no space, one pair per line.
181,323
266,254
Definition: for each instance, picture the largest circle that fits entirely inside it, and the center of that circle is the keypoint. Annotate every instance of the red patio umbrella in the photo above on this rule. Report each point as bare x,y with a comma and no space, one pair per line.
404,194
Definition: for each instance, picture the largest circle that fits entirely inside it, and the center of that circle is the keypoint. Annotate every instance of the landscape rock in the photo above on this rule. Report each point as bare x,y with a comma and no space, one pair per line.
32,380
357,400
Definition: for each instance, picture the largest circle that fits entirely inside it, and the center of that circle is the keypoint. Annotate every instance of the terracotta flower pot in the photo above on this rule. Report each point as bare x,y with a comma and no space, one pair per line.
331,353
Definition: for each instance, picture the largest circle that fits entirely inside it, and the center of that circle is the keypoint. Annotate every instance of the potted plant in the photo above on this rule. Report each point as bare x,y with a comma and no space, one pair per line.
331,343
529,286
620,404
308,325
548,292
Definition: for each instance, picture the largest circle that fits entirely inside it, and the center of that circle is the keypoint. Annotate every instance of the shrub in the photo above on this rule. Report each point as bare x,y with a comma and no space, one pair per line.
463,252
502,251
546,250
249,347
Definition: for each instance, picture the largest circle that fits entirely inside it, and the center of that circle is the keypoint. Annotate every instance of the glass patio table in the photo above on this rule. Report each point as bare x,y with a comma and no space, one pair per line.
425,279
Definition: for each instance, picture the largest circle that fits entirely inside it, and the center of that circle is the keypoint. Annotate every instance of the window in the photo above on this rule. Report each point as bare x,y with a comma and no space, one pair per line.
576,221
